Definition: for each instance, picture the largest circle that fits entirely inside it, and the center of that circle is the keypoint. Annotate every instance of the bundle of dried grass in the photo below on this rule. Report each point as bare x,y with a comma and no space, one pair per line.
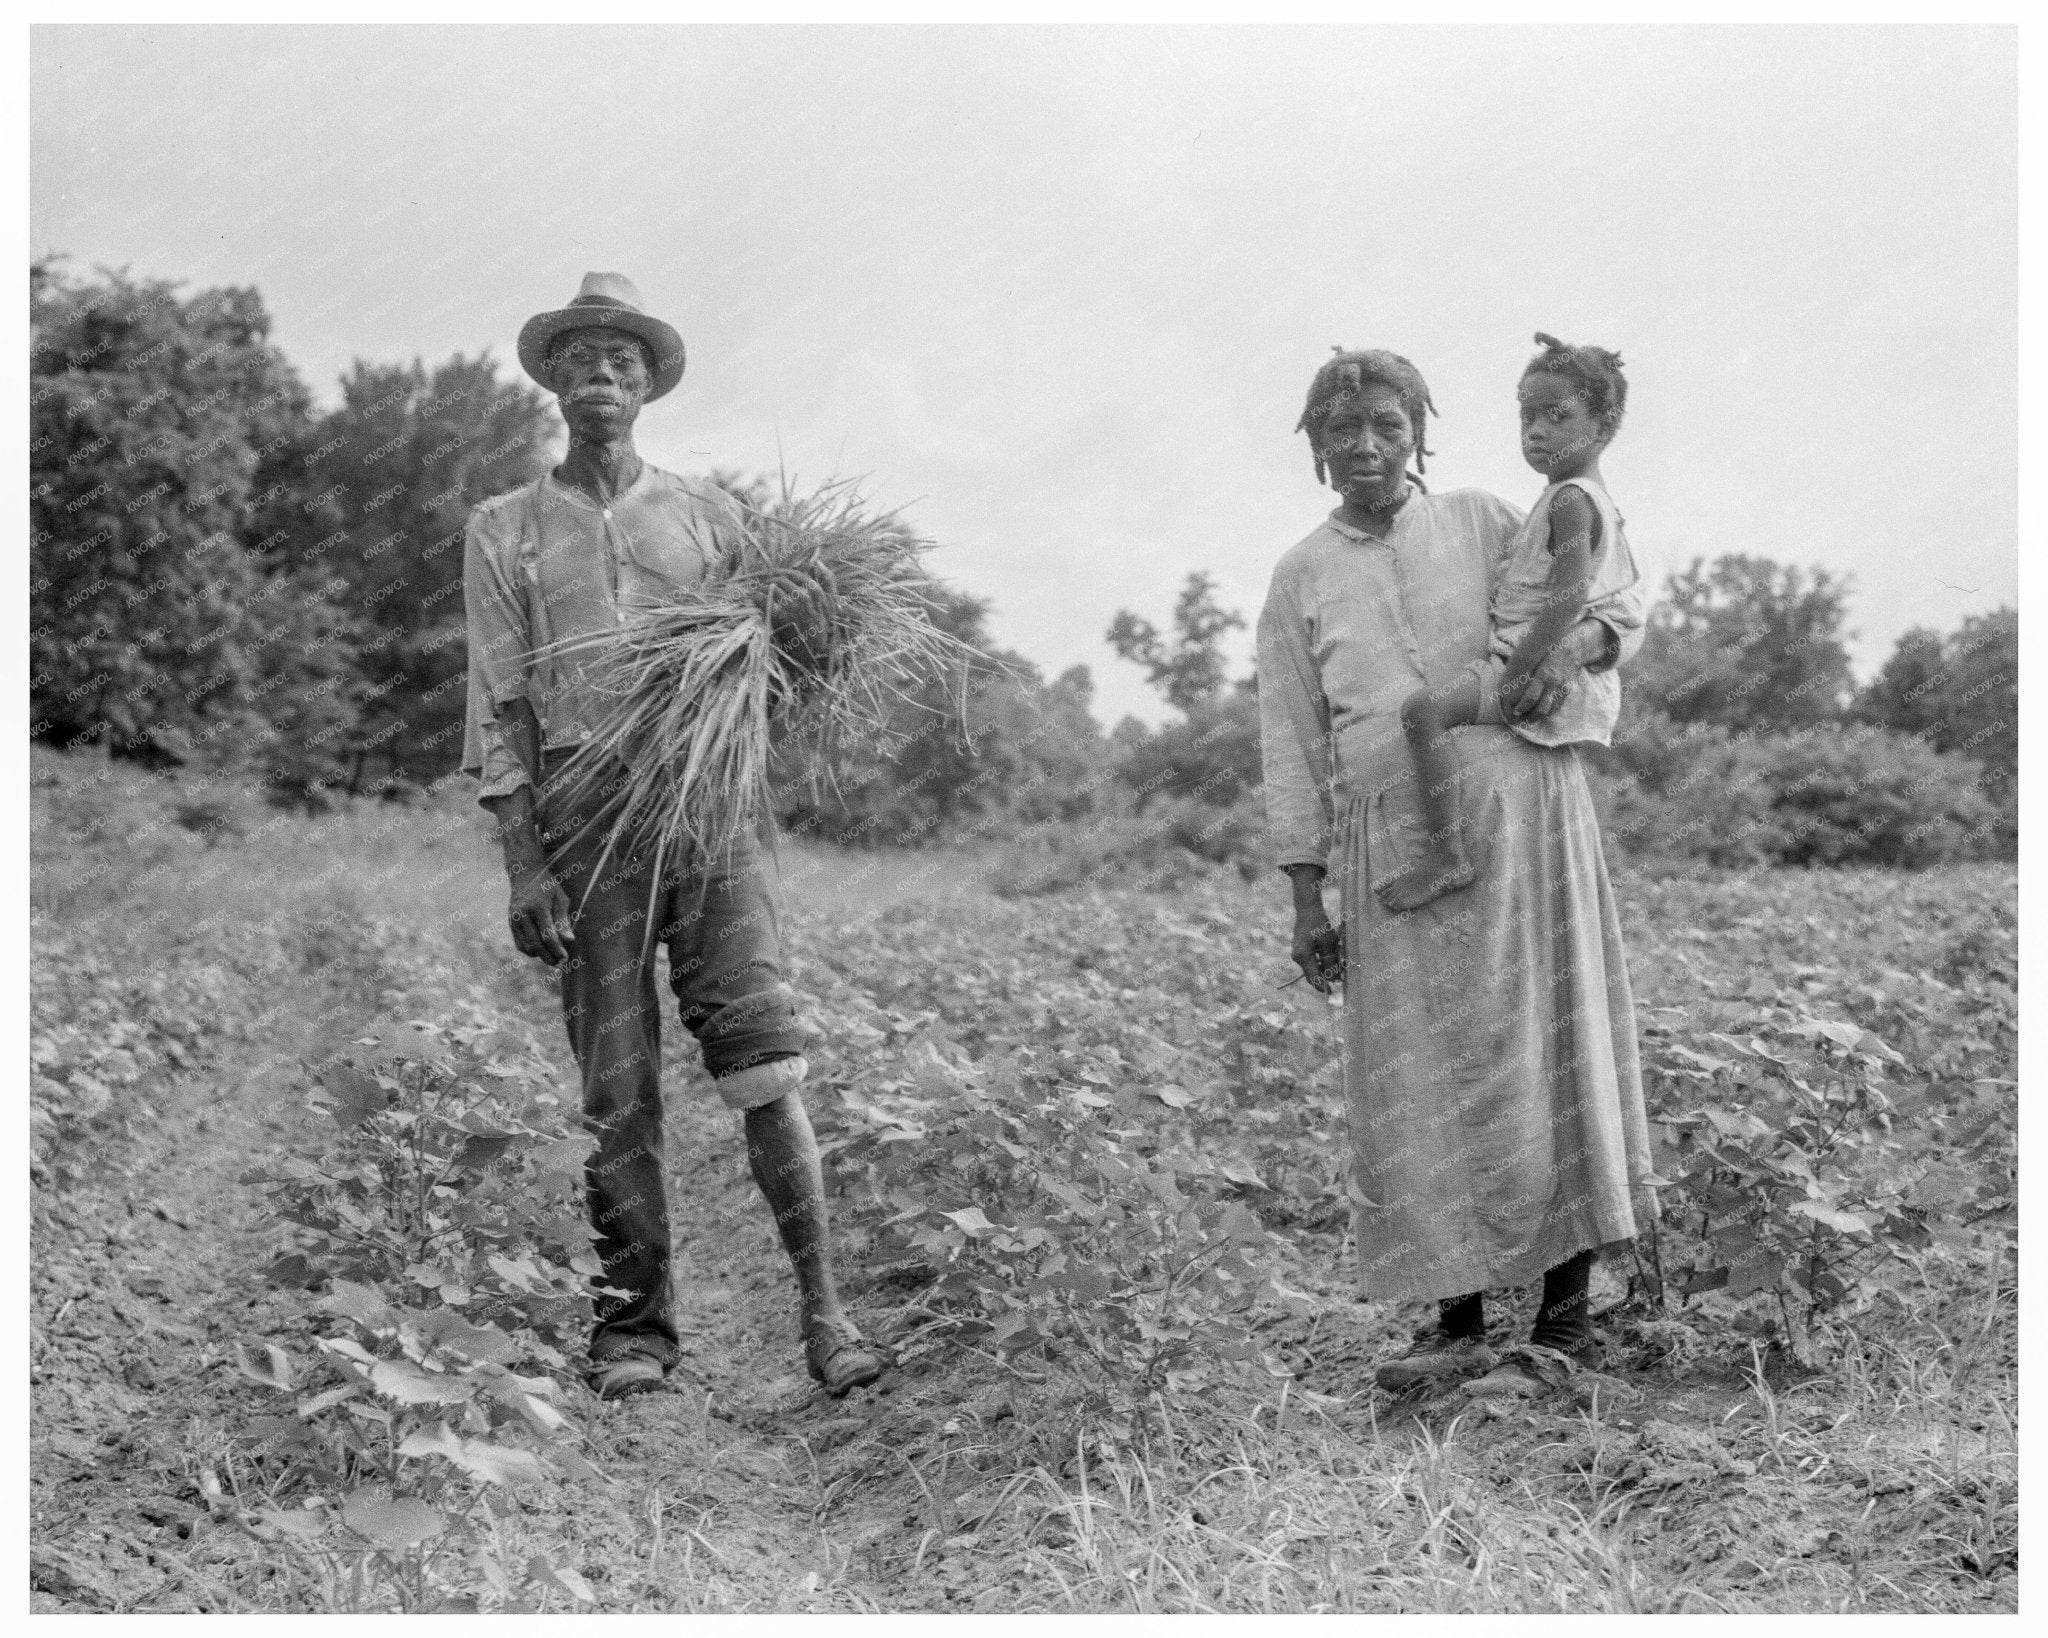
813,623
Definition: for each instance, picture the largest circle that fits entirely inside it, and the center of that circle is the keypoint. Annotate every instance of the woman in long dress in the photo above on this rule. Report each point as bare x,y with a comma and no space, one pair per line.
1495,1105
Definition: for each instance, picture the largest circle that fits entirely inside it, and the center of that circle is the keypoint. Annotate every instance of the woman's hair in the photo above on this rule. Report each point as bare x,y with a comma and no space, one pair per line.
1593,370
1347,374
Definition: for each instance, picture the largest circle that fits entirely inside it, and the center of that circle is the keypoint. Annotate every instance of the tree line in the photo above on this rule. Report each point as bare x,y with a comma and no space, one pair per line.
222,574
225,575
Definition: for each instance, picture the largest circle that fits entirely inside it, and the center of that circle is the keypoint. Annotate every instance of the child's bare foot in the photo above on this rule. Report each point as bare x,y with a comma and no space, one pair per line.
1439,871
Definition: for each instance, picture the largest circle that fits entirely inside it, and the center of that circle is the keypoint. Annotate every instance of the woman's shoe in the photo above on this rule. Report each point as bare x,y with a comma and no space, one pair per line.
839,1358
626,1375
1434,1357
1529,1368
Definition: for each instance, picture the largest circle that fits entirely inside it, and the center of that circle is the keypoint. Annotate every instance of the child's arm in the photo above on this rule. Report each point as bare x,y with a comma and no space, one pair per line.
1572,522
1620,615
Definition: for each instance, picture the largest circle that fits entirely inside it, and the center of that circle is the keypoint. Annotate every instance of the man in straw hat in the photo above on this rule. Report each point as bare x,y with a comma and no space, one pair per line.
563,558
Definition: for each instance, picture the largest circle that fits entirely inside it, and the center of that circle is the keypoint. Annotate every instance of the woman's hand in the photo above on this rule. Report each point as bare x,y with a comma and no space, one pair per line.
1543,689
1318,951
1318,947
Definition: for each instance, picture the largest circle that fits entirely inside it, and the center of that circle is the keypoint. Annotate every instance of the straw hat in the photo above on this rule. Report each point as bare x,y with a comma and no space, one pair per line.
609,299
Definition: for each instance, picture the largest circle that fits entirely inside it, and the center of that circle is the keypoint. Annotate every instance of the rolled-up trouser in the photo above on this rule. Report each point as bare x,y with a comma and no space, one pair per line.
718,920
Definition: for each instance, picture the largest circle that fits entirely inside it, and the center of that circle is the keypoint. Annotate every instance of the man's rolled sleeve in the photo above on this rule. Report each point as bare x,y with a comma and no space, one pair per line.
498,647
500,771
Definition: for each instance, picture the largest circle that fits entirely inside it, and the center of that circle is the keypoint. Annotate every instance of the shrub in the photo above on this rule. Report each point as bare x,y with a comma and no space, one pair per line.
1844,795
1828,795
1210,755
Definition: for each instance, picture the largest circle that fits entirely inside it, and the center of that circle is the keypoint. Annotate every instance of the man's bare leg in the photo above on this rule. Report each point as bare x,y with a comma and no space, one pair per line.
1427,716
783,1152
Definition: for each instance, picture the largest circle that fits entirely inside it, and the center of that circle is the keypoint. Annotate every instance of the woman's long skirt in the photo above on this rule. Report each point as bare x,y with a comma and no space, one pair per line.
1495,1101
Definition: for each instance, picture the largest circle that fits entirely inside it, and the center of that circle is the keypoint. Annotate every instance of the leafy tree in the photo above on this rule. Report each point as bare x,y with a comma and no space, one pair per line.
1959,693
1900,695
381,504
153,625
1746,642
1191,671
1213,751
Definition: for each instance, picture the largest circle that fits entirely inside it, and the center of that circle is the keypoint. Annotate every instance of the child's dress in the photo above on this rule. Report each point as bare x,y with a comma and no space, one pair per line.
1520,591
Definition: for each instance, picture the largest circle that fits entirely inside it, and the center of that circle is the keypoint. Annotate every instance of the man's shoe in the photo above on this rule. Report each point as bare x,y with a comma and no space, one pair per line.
626,1375
839,1358
1434,1357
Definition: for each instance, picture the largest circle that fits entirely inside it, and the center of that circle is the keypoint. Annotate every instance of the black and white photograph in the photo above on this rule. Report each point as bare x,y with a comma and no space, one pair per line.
1015,818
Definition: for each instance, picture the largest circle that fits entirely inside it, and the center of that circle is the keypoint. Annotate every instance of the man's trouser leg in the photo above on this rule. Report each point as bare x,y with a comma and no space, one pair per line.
612,1006
724,942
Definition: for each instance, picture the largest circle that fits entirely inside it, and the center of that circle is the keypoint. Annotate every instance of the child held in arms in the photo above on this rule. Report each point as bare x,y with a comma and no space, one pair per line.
1570,559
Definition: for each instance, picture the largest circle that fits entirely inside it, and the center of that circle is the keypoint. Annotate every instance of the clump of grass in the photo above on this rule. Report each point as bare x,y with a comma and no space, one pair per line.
811,626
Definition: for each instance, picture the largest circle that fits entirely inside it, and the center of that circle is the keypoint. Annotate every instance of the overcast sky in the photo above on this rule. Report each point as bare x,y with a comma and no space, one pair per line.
1059,292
